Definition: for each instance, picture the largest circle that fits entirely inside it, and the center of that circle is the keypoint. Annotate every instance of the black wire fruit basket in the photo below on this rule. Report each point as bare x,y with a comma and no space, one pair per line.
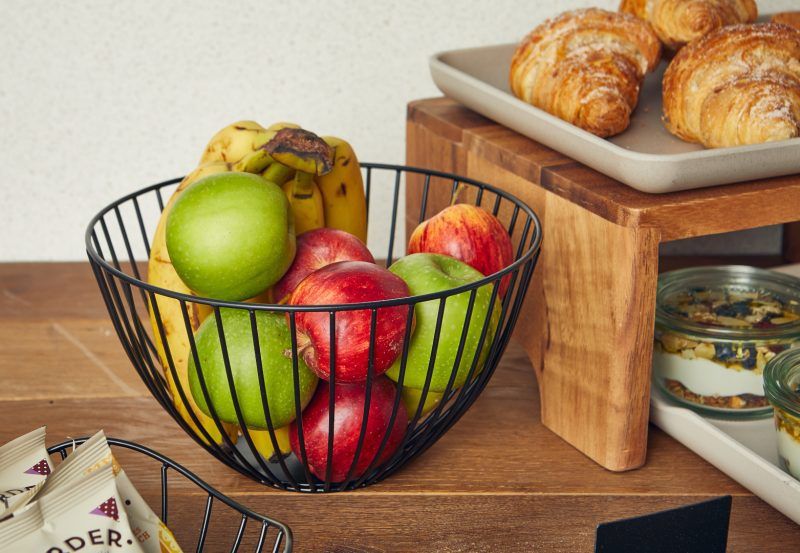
270,534
118,244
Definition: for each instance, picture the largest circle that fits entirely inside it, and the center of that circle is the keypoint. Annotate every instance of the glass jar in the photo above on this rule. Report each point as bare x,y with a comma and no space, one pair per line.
716,329
782,386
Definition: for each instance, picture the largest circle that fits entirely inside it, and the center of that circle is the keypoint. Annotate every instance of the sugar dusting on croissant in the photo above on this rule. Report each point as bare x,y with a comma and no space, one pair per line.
586,67
678,22
739,85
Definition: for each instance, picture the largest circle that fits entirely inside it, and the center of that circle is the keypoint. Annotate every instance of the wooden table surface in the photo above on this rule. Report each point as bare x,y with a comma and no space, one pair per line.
498,481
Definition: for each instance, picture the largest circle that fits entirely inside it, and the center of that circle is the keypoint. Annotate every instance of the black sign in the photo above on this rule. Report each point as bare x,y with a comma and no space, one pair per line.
699,528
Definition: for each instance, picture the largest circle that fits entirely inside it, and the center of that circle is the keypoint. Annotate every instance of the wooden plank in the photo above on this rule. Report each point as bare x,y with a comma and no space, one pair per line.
445,117
36,291
471,523
680,214
64,358
499,446
585,322
675,216
459,496
515,153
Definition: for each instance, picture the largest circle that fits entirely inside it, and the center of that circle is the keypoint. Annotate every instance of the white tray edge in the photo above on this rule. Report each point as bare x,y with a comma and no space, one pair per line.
664,173
752,471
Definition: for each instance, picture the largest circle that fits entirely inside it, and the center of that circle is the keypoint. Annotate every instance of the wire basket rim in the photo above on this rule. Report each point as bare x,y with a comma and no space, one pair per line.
192,477
536,242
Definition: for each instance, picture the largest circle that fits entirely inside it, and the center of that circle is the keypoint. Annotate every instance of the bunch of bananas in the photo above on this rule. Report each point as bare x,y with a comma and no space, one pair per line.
321,178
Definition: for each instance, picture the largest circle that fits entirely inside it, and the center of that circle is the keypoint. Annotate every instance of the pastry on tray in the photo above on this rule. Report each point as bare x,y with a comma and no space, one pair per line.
678,22
787,18
738,85
586,67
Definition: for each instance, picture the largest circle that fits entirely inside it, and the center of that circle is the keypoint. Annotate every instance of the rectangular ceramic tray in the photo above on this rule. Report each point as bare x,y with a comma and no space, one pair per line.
747,451
744,450
645,156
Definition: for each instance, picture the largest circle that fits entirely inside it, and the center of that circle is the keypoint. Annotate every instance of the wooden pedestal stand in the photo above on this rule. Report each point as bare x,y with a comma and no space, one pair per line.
587,324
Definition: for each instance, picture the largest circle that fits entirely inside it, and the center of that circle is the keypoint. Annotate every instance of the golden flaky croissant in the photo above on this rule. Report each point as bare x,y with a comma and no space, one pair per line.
678,22
738,85
586,67
787,18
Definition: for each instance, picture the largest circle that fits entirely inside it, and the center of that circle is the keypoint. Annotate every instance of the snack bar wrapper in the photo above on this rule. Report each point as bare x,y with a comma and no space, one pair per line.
94,454
86,516
24,466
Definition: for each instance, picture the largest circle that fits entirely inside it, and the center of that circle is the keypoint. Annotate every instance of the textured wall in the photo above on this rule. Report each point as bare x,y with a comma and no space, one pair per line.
99,98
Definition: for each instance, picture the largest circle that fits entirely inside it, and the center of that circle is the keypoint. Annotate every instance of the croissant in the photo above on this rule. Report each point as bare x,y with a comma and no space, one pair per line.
738,85
586,67
678,22
787,18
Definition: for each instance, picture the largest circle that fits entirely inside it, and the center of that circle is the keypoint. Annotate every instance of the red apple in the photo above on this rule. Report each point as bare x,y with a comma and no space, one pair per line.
316,249
469,234
348,419
347,282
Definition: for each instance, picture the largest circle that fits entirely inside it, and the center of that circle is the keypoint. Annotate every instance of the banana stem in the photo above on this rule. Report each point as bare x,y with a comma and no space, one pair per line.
303,185
278,173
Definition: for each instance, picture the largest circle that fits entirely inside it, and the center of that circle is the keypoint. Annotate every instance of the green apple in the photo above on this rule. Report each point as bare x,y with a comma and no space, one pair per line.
230,236
426,273
274,339
411,398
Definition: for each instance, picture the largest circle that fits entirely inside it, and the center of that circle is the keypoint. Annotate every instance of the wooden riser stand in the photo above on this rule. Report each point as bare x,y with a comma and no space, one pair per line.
587,324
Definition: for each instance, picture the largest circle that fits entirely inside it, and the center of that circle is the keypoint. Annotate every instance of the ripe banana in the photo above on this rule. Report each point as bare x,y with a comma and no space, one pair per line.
241,144
336,199
161,273
236,147
263,442
234,142
308,211
342,191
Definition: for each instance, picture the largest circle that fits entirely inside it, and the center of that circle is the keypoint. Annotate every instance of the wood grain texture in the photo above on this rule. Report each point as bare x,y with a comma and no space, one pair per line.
497,481
595,286
677,215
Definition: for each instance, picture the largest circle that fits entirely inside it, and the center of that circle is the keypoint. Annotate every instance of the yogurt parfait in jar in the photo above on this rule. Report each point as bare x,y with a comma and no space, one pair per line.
716,330
782,385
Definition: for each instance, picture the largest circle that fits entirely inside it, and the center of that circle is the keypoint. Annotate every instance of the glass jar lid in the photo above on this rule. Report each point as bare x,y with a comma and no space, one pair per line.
729,302
782,381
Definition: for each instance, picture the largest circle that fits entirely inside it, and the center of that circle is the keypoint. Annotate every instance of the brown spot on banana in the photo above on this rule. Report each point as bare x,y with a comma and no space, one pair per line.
342,191
301,150
195,318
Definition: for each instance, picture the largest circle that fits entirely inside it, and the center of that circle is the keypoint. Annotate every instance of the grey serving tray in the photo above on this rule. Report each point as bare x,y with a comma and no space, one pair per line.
645,156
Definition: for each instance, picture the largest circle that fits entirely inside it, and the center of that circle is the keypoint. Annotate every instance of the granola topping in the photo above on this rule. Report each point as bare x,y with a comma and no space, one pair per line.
732,308
740,401
741,356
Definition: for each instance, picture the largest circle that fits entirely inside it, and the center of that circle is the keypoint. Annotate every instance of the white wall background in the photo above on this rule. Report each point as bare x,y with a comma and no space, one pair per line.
99,98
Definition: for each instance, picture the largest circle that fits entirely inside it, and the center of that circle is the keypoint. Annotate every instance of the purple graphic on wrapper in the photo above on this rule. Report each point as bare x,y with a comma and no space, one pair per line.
107,508
42,467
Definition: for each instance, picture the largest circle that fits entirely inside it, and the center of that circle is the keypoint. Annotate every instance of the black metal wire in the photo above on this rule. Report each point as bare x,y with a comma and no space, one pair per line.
283,540
128,310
